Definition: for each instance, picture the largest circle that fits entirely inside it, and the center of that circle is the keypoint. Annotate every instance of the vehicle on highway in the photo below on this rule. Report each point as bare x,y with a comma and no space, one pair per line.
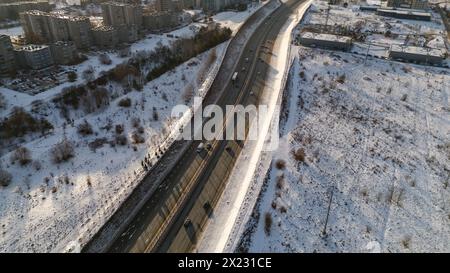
234,76
208,146
200,147
246,60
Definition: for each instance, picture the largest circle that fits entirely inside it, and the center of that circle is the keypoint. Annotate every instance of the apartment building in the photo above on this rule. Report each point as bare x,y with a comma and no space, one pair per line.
160,20
105,36
11,10
164,5
217,5
43,27
7,60
64,53
119,14
34,56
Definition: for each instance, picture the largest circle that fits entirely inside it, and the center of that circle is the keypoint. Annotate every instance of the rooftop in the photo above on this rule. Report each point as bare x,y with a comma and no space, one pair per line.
32,48
119,4
56,15
103,28
437,52
405,12
326,37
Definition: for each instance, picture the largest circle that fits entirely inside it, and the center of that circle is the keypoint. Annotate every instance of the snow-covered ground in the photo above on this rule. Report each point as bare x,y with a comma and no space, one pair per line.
48,207
378,140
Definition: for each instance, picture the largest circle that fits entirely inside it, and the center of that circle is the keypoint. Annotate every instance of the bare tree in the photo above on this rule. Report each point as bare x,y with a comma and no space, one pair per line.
22,155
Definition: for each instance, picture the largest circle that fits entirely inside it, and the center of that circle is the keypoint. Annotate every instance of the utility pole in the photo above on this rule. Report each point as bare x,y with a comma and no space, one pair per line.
367,53
326,18
324,231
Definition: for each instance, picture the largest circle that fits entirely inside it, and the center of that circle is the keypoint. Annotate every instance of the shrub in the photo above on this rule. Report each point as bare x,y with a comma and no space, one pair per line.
121,71
72,76
188,93
299,155
155,114
37,165
100,97
97,143
121,140
125,102
22,155
137,138
119,129
2,101
85,129
72,95
280,164
341,79
406,242
20,123
302,75
88,74
267,222
104,59
280,182
5,178
62,151
274,204
135,122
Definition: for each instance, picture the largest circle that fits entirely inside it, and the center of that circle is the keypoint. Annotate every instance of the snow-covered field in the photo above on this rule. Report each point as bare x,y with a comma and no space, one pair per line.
377,140
49,206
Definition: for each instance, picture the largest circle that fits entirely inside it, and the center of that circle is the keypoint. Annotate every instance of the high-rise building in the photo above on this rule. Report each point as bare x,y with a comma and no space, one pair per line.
43,27
64,52
160,20
212,5
7,60
188,4
164,5
34,56
105,36
11,10
119,14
